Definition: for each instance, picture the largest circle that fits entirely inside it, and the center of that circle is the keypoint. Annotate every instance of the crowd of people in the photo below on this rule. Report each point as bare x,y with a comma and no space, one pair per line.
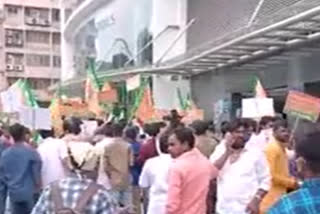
164,167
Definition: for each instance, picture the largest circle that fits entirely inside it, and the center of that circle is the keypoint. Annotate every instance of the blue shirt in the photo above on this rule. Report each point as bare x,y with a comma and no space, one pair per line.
136,169
20,167
306,200
3,146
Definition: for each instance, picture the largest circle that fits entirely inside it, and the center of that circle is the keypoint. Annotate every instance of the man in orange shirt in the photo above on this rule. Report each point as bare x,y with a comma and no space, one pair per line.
189,175
279,166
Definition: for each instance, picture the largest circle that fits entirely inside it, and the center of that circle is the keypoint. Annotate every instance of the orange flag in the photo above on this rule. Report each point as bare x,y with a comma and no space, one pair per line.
145,111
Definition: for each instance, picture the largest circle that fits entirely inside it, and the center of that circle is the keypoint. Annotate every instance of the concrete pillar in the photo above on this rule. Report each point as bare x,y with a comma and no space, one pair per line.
67,47
294,78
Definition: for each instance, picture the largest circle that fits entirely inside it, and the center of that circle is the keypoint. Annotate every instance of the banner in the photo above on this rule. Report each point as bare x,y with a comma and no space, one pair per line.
35,118
303,106
257,107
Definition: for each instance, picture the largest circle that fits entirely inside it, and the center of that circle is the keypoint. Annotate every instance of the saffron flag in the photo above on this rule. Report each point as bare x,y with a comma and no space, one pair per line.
145,111
259,90
92,90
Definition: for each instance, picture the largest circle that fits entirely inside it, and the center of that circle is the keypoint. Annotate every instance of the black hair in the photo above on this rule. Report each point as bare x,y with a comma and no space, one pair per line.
117,129
99,122
17,131
131,133
265,120
152,129
211,126
105,129
161,124
251,123
308,147
46,133
236,124
185,135
200,127
164,143
280,123
225,127
72,125
27,131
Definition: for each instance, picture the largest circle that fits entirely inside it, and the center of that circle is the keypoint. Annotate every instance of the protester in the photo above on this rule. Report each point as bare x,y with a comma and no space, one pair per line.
279,165
78,193
205,144
174,119
131,134
244,178
117,161
148,149
305,200
107,133
163,128
73,141
189,175
50,150
20,168
266,128
154,178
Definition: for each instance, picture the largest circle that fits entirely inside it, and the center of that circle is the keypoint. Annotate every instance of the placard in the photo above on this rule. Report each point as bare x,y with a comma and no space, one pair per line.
35,118
257,107
303,106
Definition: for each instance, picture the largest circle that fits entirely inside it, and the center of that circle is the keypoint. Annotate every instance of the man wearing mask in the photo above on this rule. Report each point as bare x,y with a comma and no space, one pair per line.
279,165
244,178
306,199
189,175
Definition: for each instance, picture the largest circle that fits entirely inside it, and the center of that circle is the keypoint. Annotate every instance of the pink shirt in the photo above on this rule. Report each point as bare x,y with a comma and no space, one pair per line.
189,179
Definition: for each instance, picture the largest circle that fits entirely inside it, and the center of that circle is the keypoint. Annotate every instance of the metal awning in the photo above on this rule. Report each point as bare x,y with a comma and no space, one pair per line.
254,47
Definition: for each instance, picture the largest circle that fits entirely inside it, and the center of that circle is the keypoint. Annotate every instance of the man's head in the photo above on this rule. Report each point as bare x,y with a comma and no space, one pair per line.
251,125
46,133
281,131
18,132
200,127
131,133
308,150
182,140
117,129
162,127
239,131
266,122
72,125
152,129
164,144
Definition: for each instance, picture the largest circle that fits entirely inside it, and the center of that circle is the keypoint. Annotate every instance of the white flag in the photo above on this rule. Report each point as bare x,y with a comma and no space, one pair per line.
133,82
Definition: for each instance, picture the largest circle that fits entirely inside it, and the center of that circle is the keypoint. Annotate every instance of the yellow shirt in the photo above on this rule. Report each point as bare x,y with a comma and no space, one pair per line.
281,180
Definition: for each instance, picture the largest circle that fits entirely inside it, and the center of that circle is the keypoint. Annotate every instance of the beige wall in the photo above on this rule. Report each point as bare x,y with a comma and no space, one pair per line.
18,21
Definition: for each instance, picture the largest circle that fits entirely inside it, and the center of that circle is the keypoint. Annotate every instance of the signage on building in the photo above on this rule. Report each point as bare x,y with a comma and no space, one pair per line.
303,106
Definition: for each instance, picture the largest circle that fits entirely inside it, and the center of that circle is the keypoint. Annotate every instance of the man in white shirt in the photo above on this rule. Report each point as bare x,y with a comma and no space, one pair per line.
244,176
155,177
52,167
